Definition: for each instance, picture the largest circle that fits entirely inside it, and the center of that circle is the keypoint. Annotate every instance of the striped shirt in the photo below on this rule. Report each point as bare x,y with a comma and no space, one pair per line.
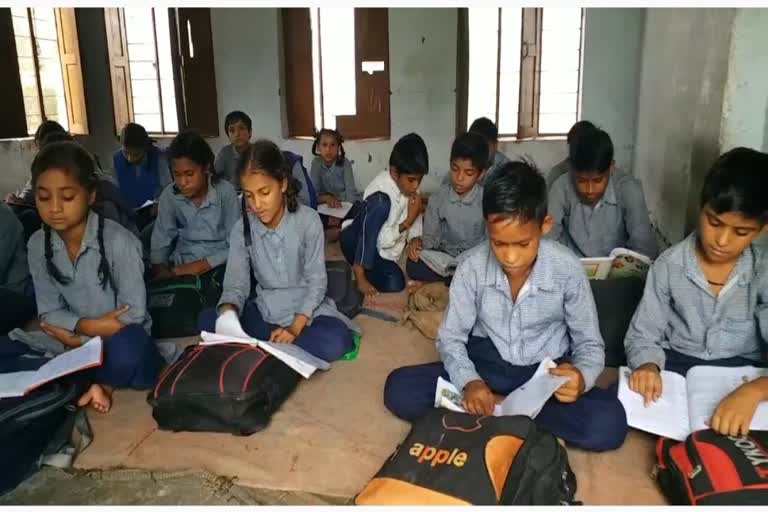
678,310
184,233
620,219
554,314
453,224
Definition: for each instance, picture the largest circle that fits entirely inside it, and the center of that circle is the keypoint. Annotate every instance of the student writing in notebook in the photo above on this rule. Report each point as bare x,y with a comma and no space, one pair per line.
454,220
594,209
88,277
515,300
706,298
281,243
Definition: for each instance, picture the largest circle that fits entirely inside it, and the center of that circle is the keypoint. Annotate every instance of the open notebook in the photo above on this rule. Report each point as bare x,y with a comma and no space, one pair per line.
620,263
339,213
440,262
687,403
229,330
20,383
527,400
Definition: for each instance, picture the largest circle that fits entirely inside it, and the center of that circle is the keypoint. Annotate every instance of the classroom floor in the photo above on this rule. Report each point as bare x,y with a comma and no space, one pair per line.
322,446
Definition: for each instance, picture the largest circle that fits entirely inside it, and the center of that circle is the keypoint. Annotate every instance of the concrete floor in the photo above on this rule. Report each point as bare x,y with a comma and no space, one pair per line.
52,486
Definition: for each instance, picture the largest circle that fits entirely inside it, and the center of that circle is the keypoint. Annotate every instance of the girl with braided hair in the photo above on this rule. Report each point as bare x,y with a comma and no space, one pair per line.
88,277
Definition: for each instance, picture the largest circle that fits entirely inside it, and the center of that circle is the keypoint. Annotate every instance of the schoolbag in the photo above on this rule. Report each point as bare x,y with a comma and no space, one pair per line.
229,387
37,429
452,458
292,158
712,469
342,289
175,304
426,307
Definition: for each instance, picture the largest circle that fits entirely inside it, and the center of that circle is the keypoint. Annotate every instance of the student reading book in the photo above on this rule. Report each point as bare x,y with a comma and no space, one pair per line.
706,298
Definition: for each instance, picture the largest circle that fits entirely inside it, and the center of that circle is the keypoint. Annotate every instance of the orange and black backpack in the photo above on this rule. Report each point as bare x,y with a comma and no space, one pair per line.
452,458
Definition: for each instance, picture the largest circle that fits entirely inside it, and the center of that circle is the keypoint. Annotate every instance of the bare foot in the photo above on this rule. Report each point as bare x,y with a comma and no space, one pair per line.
365,286
98,397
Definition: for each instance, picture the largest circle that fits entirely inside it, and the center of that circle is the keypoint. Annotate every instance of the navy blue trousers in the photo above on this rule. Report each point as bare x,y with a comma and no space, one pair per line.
596,421
327,337
681,363
130,359
420,271
358,244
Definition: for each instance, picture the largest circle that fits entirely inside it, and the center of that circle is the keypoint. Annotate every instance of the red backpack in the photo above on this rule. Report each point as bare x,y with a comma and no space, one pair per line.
713,469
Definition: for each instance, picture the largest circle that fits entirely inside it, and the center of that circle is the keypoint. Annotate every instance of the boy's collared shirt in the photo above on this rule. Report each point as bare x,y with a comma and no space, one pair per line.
554,314
63,305
14,273
336,179
678,310
499,159
226,163
452,223
184,233
558,170
391,241
620,219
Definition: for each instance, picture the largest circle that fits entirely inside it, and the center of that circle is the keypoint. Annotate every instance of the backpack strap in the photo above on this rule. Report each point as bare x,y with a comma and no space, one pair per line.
292,158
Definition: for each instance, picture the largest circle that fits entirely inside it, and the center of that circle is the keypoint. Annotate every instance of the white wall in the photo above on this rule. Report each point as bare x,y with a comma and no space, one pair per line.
745,106
422,79
683,73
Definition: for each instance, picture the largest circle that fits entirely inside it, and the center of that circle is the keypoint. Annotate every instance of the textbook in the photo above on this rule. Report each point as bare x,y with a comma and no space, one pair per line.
228,330
85,356
527,400
339,213
440,262
687,403
620,263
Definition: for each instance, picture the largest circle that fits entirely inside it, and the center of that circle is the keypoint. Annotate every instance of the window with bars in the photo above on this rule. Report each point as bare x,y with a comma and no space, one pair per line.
47,62
523,68
161,69
336,71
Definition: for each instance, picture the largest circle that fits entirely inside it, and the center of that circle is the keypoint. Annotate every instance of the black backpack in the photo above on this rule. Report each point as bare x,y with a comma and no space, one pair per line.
452,458
36,429
229,387
342,289
175,304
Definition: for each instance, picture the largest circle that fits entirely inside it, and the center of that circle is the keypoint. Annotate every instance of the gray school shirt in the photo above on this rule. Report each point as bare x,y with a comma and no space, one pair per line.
288,263
336,179
558,170
554,314
678,310
499,159
184,233
620,219
453,224
14,272
64,305
226,163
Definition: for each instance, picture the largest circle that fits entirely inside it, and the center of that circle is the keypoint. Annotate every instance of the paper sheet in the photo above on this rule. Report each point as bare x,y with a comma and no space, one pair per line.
148,202
339,213
297,358
527,400
71,361
228,323
668,416
442,263
708,385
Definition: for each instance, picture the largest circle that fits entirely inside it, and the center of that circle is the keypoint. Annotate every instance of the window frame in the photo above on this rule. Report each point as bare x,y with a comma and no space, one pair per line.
196,100
15,124
372,120
530,75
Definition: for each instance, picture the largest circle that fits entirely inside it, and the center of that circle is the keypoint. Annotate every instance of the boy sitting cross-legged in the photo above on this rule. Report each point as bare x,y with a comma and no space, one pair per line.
514,301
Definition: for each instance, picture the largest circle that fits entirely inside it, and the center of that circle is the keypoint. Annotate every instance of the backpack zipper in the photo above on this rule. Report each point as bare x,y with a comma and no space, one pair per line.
37,403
